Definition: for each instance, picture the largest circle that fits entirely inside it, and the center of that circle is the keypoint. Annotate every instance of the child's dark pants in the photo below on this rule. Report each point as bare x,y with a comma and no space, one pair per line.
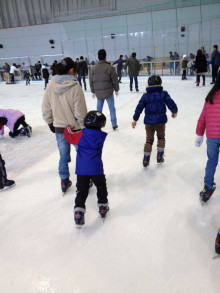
83,189
150,130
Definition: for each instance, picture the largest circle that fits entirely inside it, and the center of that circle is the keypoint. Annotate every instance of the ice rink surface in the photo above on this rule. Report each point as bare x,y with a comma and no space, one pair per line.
157,237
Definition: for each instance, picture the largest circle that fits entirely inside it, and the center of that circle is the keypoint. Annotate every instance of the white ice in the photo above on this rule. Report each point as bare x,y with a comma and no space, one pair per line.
157,236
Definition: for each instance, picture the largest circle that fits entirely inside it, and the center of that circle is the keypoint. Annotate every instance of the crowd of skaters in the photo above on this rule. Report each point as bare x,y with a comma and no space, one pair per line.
104,82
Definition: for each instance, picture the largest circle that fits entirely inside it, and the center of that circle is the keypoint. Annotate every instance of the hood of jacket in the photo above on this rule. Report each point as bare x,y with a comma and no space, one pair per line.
94,138
62,83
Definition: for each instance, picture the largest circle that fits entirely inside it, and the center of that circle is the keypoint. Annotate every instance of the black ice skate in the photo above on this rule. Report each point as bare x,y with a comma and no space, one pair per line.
103,209
65,185
90,184
146,161
79,217
160,158
7,184
217,243
206,193
28,130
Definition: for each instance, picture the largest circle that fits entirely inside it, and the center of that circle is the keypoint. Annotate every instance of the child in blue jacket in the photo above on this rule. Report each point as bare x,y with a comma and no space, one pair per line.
89,164
154,101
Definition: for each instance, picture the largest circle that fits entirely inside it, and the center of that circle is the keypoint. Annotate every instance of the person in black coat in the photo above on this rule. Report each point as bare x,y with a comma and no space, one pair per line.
82,71
215,61
45,75
200,66
53,67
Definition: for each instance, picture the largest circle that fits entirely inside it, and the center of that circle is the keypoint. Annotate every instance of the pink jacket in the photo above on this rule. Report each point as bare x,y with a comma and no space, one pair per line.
12,116
209,119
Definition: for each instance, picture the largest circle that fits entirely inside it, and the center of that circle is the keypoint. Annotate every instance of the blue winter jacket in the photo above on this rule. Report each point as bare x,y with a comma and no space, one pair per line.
215,60
155,101
89,153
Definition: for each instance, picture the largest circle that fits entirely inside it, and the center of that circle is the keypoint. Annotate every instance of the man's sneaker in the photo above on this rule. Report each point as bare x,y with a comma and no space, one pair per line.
65,185
146,161
103,209
207,193
137,90
217,243
115,127
79,217
131,90
7,184
160,158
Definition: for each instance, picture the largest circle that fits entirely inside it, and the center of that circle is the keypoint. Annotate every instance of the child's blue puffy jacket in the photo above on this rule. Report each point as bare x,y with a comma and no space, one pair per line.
89,154
155,101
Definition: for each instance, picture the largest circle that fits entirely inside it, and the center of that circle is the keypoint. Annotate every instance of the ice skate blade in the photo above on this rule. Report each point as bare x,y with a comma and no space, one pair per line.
7,187
216,256
79,227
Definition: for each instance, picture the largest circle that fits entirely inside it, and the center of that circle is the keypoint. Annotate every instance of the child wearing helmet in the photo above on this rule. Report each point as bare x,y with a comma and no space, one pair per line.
89,166
154,101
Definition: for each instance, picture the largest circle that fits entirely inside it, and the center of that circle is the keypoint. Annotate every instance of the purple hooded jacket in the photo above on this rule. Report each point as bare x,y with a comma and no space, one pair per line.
12,116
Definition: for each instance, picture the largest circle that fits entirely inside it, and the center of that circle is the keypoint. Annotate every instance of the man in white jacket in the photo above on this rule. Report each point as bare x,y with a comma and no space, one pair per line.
13,68
64,104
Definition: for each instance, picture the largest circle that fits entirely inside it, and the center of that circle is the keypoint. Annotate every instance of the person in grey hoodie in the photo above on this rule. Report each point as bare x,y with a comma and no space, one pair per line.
64,104
103,82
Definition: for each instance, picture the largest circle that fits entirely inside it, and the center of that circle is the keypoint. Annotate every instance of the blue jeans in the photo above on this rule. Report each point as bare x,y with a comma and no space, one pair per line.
135,80
46,82
111,105
213,145
64,149
84,80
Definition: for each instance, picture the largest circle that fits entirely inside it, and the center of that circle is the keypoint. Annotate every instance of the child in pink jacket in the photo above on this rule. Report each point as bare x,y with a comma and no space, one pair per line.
209,121
13,119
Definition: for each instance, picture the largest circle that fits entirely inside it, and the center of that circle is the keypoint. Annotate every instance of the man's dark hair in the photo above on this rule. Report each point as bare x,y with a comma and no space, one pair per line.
216,47
133,54
121,56
102,54
81,58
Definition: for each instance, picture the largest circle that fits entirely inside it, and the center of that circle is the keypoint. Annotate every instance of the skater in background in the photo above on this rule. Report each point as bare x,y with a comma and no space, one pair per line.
134,67
13,69
120,63
53,67
209,121
184,66
27,77
215,61
6,69
13,119
103,82
64,104
200,67
89,165
171,64
38,69
154,101
45,75
82,71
